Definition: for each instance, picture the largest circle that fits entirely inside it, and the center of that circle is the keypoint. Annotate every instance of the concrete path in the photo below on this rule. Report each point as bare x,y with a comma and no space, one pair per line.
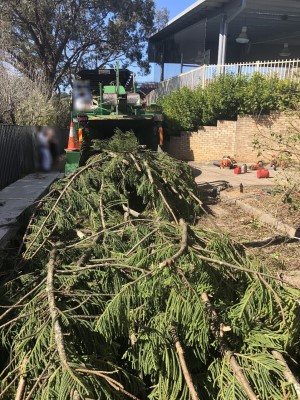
213,175
17,197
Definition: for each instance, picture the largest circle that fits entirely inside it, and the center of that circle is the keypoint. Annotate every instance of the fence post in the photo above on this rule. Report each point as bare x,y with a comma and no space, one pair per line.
203,76
257,66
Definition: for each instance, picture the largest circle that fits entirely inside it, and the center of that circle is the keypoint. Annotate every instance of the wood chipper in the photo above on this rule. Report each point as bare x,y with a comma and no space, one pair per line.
104,100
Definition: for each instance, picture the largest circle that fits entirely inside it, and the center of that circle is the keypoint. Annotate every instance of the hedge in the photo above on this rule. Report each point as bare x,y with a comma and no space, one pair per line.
226,97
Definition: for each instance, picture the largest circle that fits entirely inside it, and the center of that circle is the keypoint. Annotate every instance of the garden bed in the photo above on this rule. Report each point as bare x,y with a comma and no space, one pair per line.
281,205
282,258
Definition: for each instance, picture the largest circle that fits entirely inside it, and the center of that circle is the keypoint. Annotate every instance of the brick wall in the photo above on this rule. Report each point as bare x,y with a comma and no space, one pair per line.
234,138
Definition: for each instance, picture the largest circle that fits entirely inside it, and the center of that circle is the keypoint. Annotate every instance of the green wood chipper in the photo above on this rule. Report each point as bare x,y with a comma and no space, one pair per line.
104,100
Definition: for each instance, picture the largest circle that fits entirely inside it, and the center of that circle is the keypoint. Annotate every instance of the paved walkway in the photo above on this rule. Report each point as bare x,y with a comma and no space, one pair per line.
17,197
213,175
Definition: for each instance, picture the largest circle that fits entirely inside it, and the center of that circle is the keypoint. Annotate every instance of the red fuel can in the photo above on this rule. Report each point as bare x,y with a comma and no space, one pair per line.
263,173
237,170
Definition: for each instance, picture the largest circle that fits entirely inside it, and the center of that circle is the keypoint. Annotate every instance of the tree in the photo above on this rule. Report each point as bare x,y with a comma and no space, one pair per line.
24,102
58,36
162,16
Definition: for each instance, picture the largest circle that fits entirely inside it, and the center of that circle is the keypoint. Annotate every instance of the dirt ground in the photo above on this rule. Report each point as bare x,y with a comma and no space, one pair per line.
282,205
281,258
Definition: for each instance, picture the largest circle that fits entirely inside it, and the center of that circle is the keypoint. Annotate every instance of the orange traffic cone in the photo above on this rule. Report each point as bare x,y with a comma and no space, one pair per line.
73,143
161,135
80,132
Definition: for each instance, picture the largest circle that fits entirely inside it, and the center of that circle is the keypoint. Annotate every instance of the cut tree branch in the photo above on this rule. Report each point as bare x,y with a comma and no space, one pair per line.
243,269
53,311
183,365
149,173
272,241
184,245
236,368
112,382
289,376
22,381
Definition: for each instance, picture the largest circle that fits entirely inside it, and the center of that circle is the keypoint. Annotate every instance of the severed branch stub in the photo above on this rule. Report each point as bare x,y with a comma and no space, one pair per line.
132,212
183,365
236,368
84,259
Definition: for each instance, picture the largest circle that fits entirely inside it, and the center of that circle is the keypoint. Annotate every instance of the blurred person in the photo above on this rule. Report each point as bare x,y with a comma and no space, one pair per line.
44,150
53,144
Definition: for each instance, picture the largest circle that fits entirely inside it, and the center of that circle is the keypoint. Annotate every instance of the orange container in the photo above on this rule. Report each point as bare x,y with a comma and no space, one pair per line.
237,170
263,173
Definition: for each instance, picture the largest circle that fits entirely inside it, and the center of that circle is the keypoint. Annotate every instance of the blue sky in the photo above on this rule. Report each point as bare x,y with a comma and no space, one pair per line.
175,7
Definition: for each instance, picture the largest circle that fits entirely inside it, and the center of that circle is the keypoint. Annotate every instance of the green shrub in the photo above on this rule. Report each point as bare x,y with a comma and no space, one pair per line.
182,110
288,95
222,98
226,97
263,94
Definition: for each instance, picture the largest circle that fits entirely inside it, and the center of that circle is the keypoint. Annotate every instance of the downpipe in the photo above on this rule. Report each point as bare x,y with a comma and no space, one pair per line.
226,19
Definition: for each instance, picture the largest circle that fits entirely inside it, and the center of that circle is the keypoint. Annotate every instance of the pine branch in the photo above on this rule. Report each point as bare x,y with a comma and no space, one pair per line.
276,297
101,206
22,381
79,172
53,311
289,376
102,265
84,259
135,162
122,291
236,368
271,241
39,379
9,385
167,205
22,299
46,238
112,382
183,246
111,228
141,241
183,365
240,268
159,191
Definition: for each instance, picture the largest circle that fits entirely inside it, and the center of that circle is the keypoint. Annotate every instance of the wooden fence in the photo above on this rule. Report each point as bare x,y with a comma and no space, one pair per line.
201,76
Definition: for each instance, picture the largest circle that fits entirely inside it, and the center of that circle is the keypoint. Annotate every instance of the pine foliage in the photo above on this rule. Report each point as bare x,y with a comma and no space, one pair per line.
119,294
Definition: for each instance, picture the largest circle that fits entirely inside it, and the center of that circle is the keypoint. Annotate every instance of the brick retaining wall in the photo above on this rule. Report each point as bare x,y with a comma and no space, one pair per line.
234,138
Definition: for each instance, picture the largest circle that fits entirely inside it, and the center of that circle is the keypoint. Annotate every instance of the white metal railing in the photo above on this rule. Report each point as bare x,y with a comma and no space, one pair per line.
201,76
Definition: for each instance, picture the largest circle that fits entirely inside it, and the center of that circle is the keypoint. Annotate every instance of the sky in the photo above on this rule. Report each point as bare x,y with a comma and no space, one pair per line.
175,7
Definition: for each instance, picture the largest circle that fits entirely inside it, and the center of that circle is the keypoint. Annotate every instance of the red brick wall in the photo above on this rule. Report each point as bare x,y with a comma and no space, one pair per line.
234,138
